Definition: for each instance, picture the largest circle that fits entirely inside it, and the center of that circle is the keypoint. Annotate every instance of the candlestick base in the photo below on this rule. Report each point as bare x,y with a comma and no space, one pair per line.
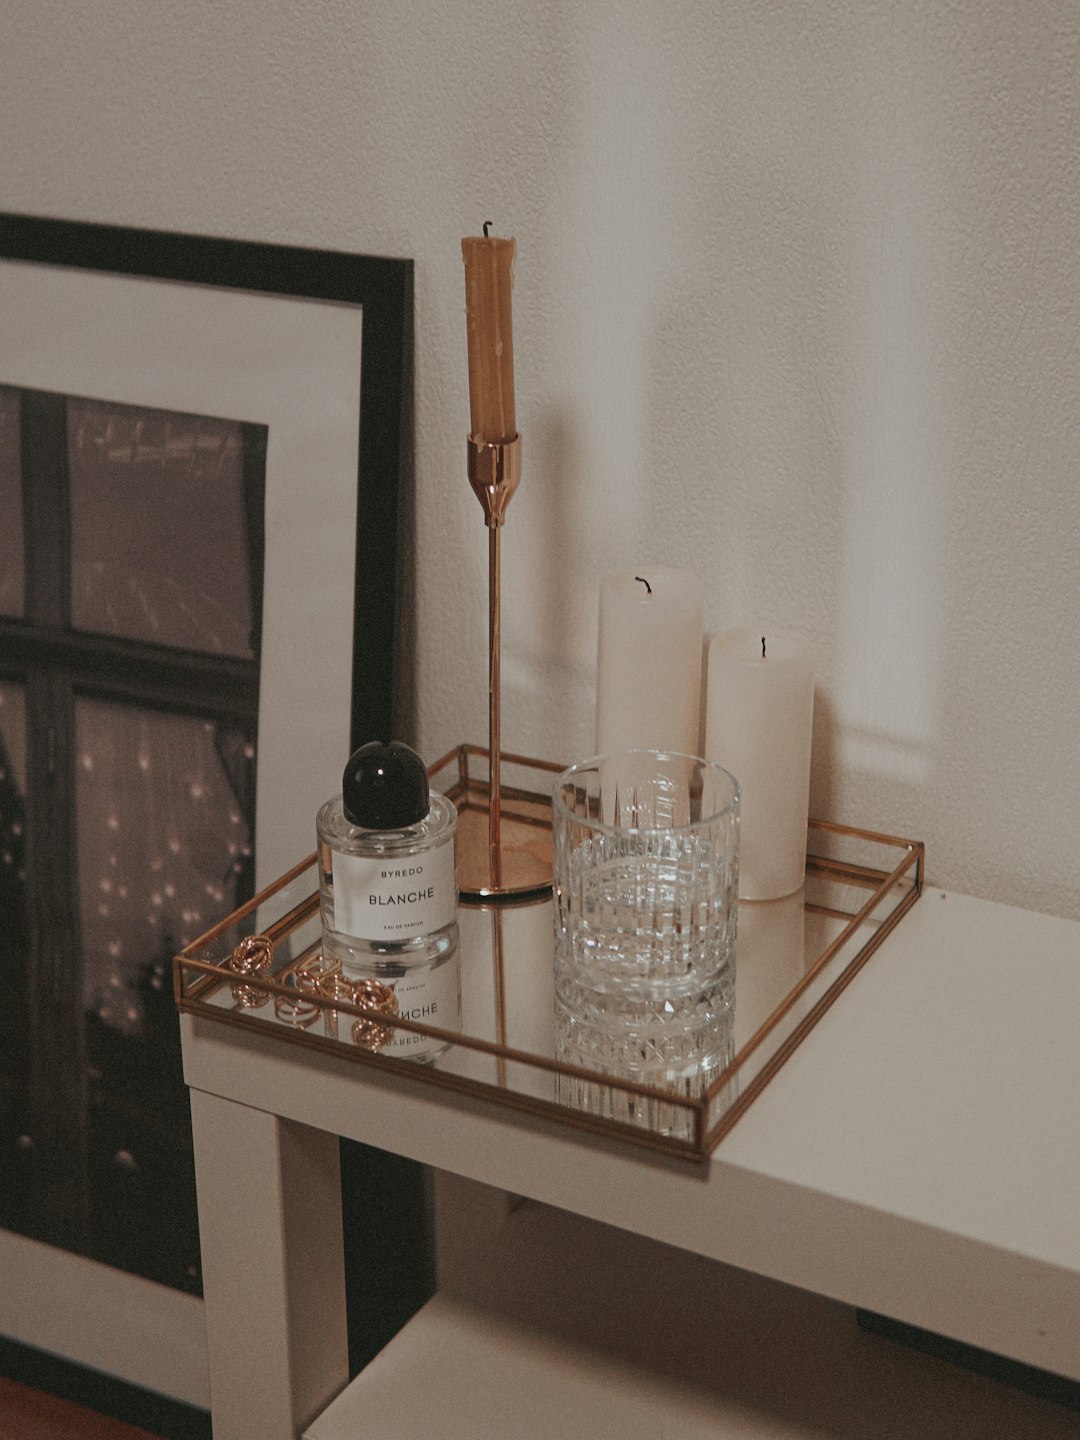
525,842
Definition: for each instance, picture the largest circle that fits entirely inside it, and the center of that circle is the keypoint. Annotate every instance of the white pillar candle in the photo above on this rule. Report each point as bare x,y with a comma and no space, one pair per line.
758,722
648,662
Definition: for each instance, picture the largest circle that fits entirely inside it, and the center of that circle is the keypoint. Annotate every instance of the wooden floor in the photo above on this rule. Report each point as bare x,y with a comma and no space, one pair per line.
27,1414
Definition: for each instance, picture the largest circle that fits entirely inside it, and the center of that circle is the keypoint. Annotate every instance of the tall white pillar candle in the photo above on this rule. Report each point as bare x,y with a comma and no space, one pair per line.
648,663
758,722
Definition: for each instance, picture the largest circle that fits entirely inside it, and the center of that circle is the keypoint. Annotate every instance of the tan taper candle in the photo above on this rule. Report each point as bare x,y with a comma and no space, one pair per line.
489,278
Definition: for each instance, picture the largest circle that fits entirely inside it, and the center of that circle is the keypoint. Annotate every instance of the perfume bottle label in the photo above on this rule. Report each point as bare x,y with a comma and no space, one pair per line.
392,899
429,997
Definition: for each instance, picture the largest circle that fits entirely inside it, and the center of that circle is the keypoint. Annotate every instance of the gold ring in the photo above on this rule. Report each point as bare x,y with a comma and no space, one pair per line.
295,1010
253,955
373,995
335,986
250,998
312,972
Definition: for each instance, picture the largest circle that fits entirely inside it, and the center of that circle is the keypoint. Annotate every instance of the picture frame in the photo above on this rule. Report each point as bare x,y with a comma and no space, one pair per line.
318,345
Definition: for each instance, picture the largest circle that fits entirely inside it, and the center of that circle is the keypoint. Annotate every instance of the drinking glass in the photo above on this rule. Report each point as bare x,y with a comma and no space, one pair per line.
646,859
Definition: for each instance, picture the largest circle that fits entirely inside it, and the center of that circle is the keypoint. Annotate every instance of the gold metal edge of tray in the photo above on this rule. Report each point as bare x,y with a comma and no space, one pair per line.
915,860
194,980
667,1145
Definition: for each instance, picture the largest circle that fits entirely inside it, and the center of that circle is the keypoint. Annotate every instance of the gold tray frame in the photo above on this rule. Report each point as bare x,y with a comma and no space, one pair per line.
511,1077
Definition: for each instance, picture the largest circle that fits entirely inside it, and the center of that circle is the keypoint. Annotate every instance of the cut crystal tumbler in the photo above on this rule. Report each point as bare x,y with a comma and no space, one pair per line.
646,884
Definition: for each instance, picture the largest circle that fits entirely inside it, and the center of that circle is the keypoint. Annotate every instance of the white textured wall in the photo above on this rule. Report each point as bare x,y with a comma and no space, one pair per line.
797,307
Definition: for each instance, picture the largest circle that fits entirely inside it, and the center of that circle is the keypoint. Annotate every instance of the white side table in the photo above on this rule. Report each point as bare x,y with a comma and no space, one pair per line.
919,1156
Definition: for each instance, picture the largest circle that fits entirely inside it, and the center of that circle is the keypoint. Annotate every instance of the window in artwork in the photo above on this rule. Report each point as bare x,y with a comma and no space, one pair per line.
131,554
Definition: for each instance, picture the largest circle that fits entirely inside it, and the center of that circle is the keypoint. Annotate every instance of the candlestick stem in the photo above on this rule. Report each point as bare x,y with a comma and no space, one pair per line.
506,860
494,473
494,693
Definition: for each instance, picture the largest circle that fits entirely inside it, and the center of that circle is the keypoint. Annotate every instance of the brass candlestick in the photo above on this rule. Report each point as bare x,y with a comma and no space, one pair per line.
509,858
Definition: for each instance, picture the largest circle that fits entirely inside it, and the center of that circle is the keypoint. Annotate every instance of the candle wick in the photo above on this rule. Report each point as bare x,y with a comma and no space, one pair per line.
487,225
644,582
763,647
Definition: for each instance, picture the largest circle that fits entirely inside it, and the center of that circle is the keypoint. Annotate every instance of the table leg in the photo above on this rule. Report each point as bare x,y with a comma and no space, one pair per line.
273,1276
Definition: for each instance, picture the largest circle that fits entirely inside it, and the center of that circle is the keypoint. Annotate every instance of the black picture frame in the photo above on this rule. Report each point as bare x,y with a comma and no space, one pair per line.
383,289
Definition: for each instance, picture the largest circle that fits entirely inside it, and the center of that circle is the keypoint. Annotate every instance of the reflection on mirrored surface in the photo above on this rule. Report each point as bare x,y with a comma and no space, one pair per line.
428,995
771,959
505,971
794,957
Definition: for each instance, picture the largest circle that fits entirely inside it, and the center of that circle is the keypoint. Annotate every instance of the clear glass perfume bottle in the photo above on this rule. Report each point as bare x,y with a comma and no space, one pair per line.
388,890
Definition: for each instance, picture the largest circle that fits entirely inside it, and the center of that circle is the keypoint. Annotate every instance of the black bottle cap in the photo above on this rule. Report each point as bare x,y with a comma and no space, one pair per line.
385,787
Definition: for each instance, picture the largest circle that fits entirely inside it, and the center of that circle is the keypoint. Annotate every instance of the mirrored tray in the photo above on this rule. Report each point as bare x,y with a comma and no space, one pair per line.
794,958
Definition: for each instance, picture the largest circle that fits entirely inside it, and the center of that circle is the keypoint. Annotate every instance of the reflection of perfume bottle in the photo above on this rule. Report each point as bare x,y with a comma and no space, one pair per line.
388,892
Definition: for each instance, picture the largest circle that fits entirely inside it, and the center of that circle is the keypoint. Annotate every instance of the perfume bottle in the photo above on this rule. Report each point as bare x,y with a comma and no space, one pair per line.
388,891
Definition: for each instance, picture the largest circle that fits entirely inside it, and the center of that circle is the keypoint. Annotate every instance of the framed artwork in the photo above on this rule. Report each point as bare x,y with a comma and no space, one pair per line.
203,452
317,347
